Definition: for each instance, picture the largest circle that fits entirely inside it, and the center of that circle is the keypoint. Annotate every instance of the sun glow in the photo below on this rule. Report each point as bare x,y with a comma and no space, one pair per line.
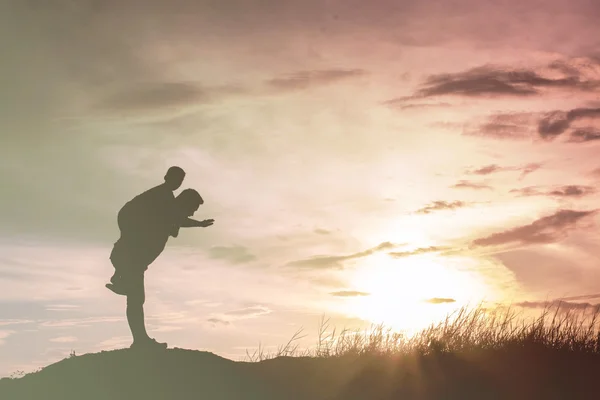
409,294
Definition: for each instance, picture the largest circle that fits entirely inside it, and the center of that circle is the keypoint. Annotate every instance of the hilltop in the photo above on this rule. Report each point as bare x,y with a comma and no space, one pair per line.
475,355
517,373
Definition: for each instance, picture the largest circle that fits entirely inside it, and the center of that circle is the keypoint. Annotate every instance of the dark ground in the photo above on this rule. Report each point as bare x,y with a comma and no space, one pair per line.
534,373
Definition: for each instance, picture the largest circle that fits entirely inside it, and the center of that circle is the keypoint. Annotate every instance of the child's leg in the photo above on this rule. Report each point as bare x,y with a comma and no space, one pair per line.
115,278
119,261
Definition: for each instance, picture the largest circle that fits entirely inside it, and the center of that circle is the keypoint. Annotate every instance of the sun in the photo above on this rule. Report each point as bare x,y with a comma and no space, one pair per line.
409,294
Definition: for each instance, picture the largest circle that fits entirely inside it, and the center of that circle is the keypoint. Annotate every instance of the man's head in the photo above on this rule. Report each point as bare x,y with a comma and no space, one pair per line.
189,201
174,178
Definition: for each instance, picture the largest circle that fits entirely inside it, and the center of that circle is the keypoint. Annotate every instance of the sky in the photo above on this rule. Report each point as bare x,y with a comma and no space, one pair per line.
368,162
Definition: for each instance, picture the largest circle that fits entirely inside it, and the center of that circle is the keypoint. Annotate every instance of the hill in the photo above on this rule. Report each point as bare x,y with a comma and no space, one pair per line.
478,354
517,373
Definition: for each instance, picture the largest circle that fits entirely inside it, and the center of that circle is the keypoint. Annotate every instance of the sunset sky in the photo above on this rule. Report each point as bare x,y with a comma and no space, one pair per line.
379,161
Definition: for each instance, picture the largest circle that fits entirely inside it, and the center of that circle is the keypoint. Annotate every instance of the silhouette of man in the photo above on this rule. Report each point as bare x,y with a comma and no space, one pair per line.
146,222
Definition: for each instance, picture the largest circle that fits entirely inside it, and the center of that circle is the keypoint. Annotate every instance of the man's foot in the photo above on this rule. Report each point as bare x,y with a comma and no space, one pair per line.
147,344
116,289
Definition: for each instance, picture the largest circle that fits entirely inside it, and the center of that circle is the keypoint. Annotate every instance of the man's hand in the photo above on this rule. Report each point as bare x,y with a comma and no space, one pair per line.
206,222
192,223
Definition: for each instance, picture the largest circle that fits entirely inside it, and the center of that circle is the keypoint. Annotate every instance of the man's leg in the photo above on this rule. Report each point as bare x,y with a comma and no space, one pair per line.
136,298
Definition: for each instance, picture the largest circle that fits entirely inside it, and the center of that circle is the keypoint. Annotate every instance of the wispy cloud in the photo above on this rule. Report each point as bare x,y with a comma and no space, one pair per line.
547,229
249,312
64,339
322,262
546,125
155,95
504,81
581,297
233,254
584,135
420,250
558,191
512,126
8,322
465,184
3,335
63,323
494,168
307,79
441,205
62,307
349,293
560,304
440,300
218,321
400,104
229,317
555,123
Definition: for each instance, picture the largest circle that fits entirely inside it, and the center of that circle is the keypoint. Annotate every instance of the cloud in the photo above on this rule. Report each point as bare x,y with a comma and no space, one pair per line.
581,297
441,205
4,335
555,123
400,104
349,293
480,81
63,323
585,135
167,328
322,262
488,169
7,322
153,95
440,300
559,191
218,321
494,168
227,318
155,99
307,79
547,229
561,304
547,125
513,126
62,307
248,312
420,250
529,168
321,231
503,81
64,339
464,184
233,254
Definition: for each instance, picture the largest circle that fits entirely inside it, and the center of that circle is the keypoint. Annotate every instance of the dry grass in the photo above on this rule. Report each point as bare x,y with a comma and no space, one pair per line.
467,329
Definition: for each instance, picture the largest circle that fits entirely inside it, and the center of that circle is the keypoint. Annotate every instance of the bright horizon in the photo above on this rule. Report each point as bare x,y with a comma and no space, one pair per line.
379,162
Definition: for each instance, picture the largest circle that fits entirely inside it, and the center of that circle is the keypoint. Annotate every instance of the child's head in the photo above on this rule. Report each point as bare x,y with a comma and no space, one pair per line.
188,201
174,177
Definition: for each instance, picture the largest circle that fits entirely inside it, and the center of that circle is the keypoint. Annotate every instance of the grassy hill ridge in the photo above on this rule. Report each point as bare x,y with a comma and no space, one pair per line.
517,373
474,355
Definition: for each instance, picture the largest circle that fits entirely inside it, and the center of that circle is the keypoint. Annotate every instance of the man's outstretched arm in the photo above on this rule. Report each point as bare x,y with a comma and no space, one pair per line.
192,223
